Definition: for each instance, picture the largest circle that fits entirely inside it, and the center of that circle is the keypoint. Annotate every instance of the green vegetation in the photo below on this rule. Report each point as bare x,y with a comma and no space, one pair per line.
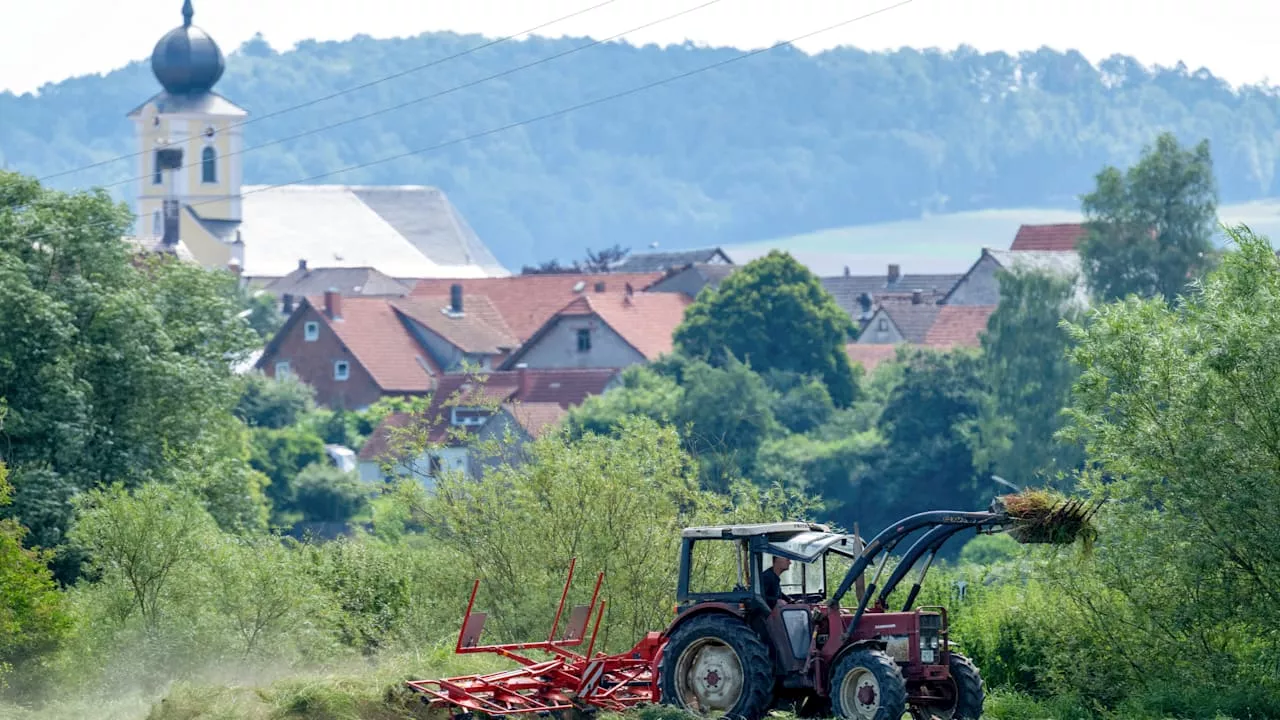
195,556
775,145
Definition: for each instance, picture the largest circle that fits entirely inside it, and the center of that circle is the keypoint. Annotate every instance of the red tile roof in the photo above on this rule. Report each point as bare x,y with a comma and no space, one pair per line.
374,334
480,328
537,399
645,320
1059,237
526,302
869,356
959,325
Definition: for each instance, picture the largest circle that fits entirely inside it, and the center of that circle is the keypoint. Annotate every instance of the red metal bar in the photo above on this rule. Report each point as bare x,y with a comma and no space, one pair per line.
555,624
470,604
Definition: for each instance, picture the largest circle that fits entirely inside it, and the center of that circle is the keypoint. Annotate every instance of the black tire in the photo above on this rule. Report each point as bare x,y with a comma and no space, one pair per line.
887,704
756,693
970,694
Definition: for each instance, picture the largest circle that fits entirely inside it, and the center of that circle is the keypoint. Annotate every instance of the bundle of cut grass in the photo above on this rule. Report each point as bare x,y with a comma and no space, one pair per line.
1044,517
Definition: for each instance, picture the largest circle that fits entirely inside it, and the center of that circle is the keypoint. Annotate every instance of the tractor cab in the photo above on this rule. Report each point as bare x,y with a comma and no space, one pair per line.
724,563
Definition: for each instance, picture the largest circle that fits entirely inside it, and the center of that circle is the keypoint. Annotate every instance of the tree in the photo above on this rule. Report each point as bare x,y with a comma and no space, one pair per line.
115,367
274,402
1150,228
1177,405
774,314
33,618
1025,364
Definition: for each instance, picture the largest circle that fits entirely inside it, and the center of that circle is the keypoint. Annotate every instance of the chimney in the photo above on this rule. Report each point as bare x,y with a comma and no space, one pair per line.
629,289
455,299
286,304
894,273
846,271
333,304
600,286
917,297
302,264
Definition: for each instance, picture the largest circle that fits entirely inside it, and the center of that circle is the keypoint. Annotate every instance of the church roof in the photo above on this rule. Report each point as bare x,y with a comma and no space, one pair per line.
209,103
186,60
401,230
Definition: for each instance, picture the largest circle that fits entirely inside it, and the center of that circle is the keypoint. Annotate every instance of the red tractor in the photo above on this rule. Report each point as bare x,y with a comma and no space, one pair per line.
728,652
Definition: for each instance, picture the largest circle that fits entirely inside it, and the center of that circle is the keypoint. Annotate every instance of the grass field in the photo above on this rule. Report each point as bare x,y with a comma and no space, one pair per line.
947,243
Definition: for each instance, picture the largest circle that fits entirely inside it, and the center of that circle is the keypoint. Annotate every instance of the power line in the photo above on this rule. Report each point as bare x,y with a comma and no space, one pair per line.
364,86
442,93
546,116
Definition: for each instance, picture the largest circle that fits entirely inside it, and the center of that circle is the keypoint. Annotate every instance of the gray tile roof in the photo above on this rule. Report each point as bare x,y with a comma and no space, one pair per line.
913,321
402,231
847,288
1062,262
348,281
659,261
224,230
210,103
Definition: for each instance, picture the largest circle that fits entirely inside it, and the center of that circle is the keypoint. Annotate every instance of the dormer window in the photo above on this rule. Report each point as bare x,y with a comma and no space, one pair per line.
469,417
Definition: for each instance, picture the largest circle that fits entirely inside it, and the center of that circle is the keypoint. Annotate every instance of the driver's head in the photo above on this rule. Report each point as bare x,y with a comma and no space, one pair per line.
780,564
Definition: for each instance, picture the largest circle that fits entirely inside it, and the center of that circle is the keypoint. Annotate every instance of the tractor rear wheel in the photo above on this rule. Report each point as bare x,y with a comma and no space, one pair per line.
717,664
868,685
969,692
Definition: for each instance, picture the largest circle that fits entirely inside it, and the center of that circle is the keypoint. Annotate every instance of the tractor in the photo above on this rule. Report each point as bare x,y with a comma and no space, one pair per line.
728,652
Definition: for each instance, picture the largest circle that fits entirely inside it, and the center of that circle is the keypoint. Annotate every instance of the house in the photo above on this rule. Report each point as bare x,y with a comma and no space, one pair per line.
348,281
1058,237
980,286
663,261
692,278
870,356
356,350
468,409
959,326
526,302
857,294
605,330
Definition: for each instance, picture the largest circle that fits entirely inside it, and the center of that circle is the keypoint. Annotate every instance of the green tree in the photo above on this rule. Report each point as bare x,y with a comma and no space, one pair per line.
115,367
1025,364
1177,406
1151,227
33,617
274,402
774,314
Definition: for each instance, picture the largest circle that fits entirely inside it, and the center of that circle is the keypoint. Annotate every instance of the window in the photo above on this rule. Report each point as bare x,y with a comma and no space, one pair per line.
311,331
209,165
282,368
584,340
469,416
884,325
157,223
157,177
341,370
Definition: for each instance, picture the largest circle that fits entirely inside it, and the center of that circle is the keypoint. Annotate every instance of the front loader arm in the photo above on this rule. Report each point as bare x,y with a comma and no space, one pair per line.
890,537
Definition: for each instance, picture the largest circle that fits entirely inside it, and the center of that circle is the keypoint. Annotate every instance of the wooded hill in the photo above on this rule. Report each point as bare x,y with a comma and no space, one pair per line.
774,145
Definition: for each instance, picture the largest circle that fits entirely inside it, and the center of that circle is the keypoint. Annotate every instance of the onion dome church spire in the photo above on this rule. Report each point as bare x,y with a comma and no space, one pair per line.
187,61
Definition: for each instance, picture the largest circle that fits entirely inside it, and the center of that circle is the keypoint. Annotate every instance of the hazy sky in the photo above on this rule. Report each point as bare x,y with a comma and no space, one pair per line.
49,40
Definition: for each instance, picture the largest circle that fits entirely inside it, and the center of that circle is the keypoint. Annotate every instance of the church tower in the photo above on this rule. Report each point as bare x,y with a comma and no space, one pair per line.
189,142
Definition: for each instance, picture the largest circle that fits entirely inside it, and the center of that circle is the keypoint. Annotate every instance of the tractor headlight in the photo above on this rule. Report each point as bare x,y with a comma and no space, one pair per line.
928,649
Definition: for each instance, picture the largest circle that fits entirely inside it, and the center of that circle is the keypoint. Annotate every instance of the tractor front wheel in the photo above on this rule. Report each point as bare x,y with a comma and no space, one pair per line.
868,685
717,664
969,692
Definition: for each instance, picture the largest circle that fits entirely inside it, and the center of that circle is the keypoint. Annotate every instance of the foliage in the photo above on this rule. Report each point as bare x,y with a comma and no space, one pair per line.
323,493
1176,405
1150,228
770,298
763,148
1027,368
33,618
113,367
274,403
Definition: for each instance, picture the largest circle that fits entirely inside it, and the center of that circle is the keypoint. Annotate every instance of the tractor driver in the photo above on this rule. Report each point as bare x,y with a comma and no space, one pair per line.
771,581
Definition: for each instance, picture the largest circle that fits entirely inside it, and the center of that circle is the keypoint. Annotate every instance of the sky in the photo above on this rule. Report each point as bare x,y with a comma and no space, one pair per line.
50,40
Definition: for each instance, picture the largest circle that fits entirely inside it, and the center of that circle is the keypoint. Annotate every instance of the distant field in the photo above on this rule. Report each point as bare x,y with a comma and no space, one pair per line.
947,243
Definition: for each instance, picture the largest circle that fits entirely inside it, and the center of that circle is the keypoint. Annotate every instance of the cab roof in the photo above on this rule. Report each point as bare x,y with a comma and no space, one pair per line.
759,529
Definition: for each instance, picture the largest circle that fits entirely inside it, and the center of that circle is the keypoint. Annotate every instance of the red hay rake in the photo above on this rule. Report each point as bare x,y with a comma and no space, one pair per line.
567,681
